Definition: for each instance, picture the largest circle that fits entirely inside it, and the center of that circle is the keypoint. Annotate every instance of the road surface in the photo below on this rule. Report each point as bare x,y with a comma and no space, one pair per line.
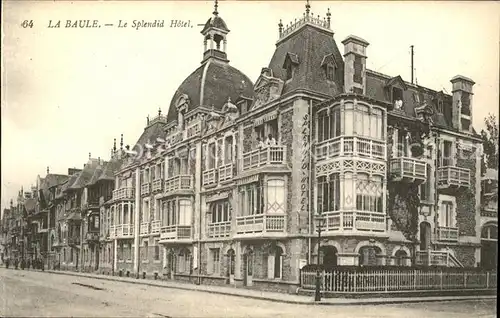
37,294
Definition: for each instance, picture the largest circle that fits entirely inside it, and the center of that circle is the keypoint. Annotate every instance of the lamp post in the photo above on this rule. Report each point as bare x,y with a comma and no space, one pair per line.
319,225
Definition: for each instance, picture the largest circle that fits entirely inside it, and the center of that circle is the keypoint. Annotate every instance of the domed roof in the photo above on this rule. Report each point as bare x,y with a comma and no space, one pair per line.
215,22
211,85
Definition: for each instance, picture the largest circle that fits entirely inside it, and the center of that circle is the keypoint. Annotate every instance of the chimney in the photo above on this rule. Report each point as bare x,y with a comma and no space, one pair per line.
355,65
462,103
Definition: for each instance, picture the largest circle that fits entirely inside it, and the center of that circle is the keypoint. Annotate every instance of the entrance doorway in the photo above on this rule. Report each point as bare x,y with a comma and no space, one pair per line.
231,265
425,236
248,268
328,255
489,246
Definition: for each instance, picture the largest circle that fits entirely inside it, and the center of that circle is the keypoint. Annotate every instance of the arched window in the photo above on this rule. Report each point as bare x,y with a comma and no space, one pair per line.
490,233
276,196
401,258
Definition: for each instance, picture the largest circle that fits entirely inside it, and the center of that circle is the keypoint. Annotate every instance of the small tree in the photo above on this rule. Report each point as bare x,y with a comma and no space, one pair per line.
490,143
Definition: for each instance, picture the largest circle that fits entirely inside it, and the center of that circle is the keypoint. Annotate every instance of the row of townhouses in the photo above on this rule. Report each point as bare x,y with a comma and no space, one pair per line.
232,185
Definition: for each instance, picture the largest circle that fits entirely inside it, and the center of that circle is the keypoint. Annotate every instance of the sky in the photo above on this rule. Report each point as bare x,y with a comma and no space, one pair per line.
67,92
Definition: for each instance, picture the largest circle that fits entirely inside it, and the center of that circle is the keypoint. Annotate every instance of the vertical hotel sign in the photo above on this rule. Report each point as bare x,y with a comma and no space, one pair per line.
305,164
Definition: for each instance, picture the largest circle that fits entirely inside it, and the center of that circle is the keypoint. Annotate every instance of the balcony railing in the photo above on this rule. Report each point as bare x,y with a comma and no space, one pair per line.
270,155
155,227
261,224
176,232
144,229
226,172
354,221
453,177
123,194
447,233
219,229
437,258
179,183
157,185
209,177
351,146
409,169
145,188
122,231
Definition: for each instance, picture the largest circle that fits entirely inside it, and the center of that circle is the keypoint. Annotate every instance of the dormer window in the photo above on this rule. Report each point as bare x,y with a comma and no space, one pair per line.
289,71
330,72
440,106
291,61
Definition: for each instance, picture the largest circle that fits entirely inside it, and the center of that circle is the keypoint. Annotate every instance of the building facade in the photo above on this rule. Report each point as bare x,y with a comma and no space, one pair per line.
232,185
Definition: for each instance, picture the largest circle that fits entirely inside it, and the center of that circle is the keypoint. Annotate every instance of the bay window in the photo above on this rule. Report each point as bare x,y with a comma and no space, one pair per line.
328,193
169,215
369,193
251,199
276,196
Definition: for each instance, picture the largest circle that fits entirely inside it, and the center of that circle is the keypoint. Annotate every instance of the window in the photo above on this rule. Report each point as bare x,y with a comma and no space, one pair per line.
145,211
329,193
369,193
402,143
329,126
401,258
145,254
129,251
465,99
157,252
228,150
425,188
440,107
275,263
169,213
185,212
358,69
215,261
157,211
220,211
330,72
289,71
397,94
251,199
446,214
362,121
490,232
446,158
276,196
109,255
211,155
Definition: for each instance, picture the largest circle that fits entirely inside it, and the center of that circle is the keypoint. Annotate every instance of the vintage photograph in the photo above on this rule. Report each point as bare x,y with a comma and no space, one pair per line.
249,158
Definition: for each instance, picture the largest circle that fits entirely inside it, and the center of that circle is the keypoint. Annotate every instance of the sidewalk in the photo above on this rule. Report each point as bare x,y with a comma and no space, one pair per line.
269,296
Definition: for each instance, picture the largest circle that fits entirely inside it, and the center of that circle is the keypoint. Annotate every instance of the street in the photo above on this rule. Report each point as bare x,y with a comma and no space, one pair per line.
30,293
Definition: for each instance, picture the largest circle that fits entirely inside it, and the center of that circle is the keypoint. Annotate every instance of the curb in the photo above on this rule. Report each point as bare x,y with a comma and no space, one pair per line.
387,301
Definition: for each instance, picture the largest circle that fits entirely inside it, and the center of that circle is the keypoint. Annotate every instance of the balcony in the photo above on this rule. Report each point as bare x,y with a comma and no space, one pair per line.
179,184
408,170
177,233
144,229
354,222
209,177
145,188
74,240
123,194
267,156
351,146
157,185
447,233
122,231
261,225
219,229
453,178
226,173
155,227
92,237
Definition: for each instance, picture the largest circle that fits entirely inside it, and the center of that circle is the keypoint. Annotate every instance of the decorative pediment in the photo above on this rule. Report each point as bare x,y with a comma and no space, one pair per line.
291,58
396,81
267,89
328,59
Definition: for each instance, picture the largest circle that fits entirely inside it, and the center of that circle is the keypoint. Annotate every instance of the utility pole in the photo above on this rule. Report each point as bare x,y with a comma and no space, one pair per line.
411,47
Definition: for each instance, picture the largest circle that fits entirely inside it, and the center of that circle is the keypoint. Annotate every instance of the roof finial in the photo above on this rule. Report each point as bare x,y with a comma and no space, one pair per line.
121,142
328,15
308,6
113,150
48,170
89,155
147,119
159,111
216,13
280,27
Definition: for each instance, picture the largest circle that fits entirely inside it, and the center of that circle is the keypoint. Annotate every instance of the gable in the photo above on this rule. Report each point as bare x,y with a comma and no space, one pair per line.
396,82
291,58
328,59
